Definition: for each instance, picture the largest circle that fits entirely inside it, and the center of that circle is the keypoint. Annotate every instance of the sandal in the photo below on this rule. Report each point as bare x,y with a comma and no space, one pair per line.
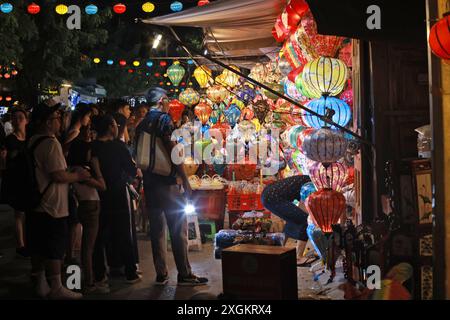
308,262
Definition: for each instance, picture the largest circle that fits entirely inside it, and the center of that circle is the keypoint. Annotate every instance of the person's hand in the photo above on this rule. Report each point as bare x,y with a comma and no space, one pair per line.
139,173
83,174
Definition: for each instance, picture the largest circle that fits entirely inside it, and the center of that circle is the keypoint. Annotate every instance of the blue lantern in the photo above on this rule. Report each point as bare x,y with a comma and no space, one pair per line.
110,62
176,6
318,240
149,64
247,94
6,7
306,190
91,9
232,114
190,61
342,114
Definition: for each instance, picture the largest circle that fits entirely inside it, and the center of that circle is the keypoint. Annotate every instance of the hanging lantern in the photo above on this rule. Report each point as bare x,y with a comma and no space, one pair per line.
14,72
230,78
342,112
217,93
220,79
325,76
292,92
347,95
306,190
136,63
7,76
148,7
33,8
333,176
246,94
176,6
326,207
246,130
274,86
223,127
324,145
176,109
293,133
232,114
202,3
176,73
301,162
130,70
149,64
258,72
261,109
294,73
122,63
120,8
203,111
91,9
109,62
247,114
96,60
163,63
6,7
202,74
189,97
157,74
284,67
301,87
439,39
61,9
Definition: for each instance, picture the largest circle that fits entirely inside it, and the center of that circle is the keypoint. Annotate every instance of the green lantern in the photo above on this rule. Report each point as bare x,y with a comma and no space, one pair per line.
276,87
176,73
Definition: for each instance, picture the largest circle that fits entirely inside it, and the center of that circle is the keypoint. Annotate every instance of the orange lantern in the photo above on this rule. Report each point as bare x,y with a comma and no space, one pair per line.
203,111
217,93
440,37
176,109
326,207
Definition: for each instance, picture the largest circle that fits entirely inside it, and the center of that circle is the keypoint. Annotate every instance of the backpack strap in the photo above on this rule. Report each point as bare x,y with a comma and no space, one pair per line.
32,148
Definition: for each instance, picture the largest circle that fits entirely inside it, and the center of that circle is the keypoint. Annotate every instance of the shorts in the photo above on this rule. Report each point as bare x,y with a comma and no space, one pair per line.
73,210
46,236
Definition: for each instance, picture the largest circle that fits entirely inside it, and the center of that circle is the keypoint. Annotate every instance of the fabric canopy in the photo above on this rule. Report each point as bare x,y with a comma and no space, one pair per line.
239,28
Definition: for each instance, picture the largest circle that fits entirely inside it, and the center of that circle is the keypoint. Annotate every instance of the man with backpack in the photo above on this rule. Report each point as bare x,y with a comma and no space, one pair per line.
47,196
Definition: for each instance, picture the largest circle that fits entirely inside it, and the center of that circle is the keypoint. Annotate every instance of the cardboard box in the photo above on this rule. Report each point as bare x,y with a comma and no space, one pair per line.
259,272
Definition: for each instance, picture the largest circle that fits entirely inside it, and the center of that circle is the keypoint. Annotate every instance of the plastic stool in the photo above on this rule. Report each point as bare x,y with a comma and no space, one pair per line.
212,225
196,241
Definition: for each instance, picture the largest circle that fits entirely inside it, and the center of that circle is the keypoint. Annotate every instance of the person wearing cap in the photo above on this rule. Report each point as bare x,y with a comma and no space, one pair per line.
46,225
165,199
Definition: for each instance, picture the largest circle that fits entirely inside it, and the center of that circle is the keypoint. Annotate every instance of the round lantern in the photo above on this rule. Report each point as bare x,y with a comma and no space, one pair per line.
333,176
232,114
324,145
326,207
189,97
202,74
7,76
91,9
307,189
110,62
120,8
439,39
291,91
61,9
176,6
258,72
176,109
148,7
6,7
136,63
176,73
203,111
122,63
217,93
274,86
33,8
230,78
163,63
149,64
14,72
96,60
342,112
325,76
301,87
202,3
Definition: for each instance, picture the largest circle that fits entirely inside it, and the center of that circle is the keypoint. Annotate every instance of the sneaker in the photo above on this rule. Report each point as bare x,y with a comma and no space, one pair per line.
96,289
22,252
102,286
64,294
162,280
192,280
133,279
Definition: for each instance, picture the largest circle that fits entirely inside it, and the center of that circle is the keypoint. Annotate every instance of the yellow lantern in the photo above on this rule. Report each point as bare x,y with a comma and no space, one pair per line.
239,103
220,80
259,72
148,7
61,9
231,78
202,74
325,76
217,93
96,60
136,63
255,121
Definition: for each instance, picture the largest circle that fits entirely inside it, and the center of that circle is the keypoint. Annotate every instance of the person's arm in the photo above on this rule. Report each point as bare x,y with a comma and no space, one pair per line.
169,145
98,182
63,176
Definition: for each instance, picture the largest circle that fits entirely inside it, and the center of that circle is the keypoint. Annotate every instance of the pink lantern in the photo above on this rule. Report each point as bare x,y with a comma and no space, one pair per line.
333,176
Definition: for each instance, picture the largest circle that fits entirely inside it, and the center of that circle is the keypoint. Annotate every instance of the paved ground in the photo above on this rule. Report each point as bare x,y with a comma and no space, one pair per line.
15,284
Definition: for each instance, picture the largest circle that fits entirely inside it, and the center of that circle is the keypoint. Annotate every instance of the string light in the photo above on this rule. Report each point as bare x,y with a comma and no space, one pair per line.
61,9
91,9
120,8
176,6
33,8
6,7
148,7
136,63
110,62
97,60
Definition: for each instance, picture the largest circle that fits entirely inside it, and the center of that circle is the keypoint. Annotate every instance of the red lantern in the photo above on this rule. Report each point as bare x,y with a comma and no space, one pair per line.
223,127
161,83
122,63
202,3
8,99
295,10
176,109
247,114
280,32
130,71
157,74
326,206
120,8
183,83
333,176
33,8
294,73
203,112
163,63
440,37
1,98
351,176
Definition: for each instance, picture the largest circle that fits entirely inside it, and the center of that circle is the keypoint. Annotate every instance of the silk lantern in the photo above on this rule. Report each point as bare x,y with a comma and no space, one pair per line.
261,109
306,190
230,78
202,3
439,38
325,76
284,67
290,89
301,162
232,114
176,73
61,9
148,7
217,93
347,95
202,74
33,8
326,206
91,9
274,86
258,72
301,87
203,111
342,112
189,97
324,145
119,8
176,6
220,80
246,94
333,176
223,127
247,114
176,109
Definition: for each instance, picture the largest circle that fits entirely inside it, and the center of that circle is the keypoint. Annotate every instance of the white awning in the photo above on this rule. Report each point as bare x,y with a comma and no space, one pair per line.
238,28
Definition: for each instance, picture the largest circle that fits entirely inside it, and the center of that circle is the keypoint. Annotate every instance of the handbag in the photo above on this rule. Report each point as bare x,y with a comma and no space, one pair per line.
152,155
